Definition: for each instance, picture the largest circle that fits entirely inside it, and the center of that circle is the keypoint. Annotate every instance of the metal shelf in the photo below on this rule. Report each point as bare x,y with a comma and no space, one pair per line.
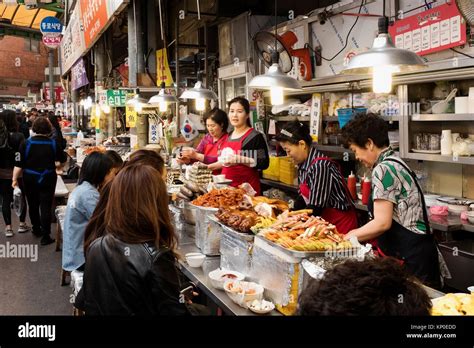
395,118
279,185
333,149
440,158
291,118
442,117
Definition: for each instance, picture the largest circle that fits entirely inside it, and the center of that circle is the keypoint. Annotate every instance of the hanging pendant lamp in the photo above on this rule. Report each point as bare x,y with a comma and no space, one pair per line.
274,79
200,94
384,59
162,99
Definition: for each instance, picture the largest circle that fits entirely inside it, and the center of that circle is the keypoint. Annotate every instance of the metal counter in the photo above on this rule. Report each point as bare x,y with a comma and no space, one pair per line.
440,223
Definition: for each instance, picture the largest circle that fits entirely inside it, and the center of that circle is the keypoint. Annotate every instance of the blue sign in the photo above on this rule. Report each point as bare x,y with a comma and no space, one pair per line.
51,25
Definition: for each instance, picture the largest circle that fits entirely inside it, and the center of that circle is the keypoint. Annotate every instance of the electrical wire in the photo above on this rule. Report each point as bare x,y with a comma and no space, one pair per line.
347,38
462,53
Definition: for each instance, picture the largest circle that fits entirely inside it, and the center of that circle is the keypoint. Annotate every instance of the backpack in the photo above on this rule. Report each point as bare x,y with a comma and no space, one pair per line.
4,135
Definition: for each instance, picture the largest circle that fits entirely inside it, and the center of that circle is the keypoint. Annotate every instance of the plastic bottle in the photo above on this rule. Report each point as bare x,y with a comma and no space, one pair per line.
79,138
351,184
366,190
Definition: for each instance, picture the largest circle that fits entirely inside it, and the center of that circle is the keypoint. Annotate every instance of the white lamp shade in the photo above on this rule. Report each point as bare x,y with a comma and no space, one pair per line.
275,78
198,92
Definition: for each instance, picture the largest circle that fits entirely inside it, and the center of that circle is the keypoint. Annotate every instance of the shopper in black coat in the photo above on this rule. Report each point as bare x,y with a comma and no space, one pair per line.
132,269
37,161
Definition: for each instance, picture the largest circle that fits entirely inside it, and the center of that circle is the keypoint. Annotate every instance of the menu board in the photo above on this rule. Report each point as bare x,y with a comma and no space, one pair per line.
434,30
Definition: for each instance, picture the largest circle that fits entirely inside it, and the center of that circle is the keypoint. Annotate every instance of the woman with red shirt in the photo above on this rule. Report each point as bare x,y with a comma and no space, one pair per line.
209,148
245,150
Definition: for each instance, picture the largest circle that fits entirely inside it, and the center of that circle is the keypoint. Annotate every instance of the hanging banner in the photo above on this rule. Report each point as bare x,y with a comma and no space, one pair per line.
131,117
163,72
79,75
72,45
94,19
435,30
315,117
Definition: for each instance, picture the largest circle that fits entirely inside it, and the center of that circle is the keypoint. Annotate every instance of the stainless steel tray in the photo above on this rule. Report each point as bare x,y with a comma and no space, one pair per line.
305,254
241,235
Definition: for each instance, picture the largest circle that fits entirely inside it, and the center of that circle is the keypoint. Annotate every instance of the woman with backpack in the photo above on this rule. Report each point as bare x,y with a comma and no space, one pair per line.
10,142
37,161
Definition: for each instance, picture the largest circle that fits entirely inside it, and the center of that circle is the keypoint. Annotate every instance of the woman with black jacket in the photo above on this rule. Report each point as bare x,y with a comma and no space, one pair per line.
37,161
11,142
132,270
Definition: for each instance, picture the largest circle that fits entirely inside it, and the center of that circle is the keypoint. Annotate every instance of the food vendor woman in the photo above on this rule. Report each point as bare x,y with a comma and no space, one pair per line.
399,221
245,151
322,187
210,146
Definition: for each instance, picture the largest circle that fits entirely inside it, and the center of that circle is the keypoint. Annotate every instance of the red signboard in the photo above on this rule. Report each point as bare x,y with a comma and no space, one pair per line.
52,41
435,30
58,94
94,18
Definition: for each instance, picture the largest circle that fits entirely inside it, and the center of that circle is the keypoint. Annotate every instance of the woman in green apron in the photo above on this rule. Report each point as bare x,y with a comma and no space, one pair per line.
399,220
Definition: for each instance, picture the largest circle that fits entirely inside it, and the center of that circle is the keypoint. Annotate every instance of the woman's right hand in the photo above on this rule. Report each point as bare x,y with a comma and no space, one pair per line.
14,184
189,152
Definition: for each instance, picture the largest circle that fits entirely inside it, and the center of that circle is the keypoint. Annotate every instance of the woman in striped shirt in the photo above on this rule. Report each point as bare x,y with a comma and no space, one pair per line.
322,187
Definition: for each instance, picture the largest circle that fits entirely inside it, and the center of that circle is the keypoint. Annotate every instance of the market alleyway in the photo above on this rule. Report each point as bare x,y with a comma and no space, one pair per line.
29,286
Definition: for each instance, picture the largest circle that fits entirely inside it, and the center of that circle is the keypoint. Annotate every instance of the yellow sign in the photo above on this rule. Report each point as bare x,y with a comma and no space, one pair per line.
163,73
131,117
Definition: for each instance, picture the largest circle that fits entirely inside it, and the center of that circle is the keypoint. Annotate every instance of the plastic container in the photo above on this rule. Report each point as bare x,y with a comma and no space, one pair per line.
352,185
344,115
288,171
273,170
366,190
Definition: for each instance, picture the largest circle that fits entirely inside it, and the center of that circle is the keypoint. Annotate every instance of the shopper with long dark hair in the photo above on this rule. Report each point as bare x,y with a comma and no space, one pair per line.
132,269
10,141
80,206
37,161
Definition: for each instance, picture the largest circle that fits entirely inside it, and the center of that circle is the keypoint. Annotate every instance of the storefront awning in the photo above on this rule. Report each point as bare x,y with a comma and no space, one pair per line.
22,16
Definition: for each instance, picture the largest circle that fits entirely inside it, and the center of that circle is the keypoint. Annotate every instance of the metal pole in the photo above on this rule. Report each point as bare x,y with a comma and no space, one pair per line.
51,77
132,46
139,26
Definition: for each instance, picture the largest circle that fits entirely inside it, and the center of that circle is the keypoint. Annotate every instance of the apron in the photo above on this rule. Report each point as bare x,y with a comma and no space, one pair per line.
345,221
240,173
214,150
417,252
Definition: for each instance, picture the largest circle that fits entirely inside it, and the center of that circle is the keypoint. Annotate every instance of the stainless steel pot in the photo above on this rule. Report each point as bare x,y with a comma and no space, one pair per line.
189,213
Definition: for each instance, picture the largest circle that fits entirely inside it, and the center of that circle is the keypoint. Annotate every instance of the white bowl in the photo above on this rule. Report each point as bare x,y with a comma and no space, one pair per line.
217,179
470,216
471,289
195,259
237,291
218,278
457,209
251,306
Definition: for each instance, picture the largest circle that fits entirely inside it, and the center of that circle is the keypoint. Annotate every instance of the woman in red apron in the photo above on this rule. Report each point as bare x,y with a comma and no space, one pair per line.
322,187
210,146
399,222
245,151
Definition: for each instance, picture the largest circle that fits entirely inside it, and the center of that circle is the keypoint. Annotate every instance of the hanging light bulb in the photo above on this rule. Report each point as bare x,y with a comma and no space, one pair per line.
138,107
162,99
106,109
200,94
88,103
276,95
200,104
163,106
382,79
384,59
97,110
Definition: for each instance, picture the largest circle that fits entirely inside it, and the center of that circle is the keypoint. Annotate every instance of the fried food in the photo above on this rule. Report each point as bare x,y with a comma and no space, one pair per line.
220,198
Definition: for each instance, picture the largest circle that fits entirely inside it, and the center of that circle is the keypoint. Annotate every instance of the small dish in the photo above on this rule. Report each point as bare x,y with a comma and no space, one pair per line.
195,259
242,292
470,217
471,289
219,276
260,307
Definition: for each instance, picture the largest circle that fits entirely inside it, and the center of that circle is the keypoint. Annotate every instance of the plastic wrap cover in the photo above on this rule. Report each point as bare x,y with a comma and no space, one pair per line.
208,233
281,277
236,253
177,217
60,215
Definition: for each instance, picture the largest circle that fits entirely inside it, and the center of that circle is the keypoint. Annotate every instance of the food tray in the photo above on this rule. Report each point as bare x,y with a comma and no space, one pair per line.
241,235
305,254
